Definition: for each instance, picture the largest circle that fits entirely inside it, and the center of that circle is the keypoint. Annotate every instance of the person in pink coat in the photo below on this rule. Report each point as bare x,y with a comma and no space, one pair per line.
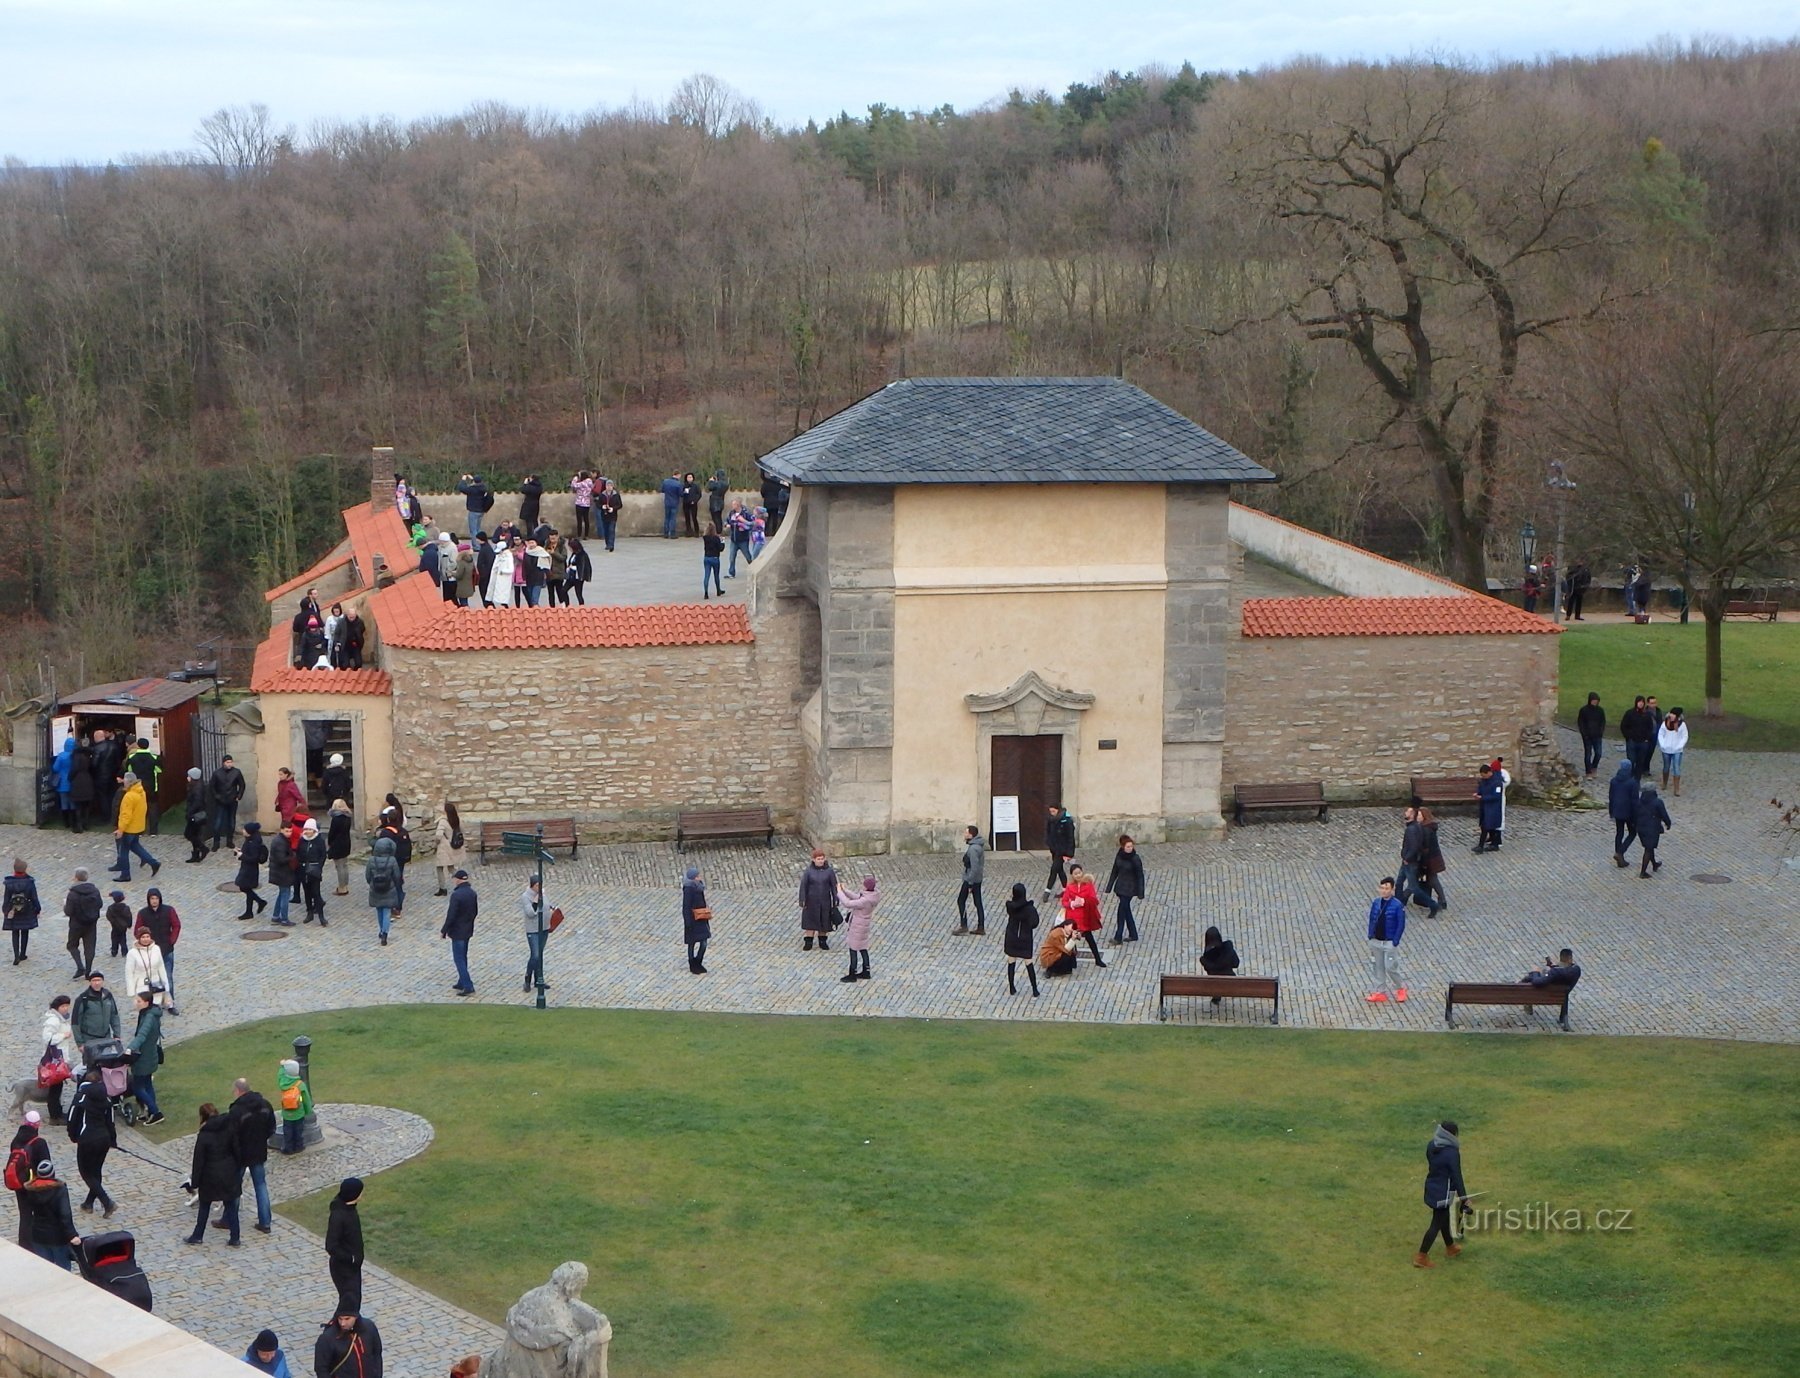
859,911
1081,902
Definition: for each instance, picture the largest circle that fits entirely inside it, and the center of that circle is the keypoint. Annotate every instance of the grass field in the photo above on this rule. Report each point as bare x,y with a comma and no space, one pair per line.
1619,660
765,1196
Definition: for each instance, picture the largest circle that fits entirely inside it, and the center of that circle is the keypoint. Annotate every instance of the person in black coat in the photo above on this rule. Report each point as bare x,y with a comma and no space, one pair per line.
109,760
531,494
1059,841
344,1246
196,815
81,784
225,788
1019,944
1218,956
1590,722
309,866
254,1123
484,566
19,909
459,928
282,876
1652,821
250,858
1637,725
217,1174
1444,1191
94,1135
335,779
337,843
52,1225
696,926
349,1346
1127,882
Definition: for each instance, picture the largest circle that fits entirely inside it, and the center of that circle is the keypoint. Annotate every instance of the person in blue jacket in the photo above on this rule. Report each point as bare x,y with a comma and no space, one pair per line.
1444,1191
1652,821
671,495
1488,789
1621,804
1387,925
265,1355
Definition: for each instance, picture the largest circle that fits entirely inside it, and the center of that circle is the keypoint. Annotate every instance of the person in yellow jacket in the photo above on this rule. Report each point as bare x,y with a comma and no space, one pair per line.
128,833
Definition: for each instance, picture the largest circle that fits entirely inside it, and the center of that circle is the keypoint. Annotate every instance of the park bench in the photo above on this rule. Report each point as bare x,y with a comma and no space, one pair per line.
1498,993
1746,607
1301,794
693,824
558,832
1228,987
1445,791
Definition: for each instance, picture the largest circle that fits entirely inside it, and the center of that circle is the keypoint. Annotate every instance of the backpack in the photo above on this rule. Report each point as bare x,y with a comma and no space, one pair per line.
487,501
18,1170
456,839
290,1098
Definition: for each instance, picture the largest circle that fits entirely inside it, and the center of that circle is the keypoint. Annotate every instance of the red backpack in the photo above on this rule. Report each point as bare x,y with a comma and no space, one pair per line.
19,1173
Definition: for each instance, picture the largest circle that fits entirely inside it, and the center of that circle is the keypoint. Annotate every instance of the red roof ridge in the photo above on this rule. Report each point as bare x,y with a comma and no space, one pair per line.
1475,615
412,614
272,674
334,560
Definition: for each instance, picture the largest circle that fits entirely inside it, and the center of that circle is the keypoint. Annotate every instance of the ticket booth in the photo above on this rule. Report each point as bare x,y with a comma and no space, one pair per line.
161,711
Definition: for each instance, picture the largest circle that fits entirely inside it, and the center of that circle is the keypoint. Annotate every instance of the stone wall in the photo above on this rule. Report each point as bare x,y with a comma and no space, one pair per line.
620,738
1352,571
642,514
1364,714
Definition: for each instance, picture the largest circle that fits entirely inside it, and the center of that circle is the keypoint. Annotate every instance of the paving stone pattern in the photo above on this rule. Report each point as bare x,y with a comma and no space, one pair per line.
1664,956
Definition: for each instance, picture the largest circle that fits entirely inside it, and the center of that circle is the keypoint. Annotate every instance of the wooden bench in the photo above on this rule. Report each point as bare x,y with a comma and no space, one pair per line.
1301,794
1745,607
1496,993
692,824
558,832
1225,987
1445,791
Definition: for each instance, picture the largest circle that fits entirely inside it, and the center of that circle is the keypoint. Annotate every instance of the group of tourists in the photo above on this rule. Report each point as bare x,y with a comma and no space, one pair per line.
1633,803
321,638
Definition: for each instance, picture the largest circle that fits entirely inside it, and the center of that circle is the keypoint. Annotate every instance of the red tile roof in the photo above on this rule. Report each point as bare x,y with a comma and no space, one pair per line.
381,533
413,614
335,560
271,673
1469,615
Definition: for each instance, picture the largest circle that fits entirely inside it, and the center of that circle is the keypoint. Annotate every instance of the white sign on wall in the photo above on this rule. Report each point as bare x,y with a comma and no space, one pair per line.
1006,814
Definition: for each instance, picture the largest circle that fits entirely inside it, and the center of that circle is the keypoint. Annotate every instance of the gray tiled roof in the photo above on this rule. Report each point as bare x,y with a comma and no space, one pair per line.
1010,430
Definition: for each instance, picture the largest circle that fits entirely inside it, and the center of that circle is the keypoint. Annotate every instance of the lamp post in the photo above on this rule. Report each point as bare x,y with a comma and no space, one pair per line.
1562,485
1687,547
1528,544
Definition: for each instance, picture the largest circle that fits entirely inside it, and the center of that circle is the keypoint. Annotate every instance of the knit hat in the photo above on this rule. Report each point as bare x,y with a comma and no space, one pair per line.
869,883
117,895
337,759
310,828
33,1118
265,1341
193,772
693,873
349,1189
291,1066
252,826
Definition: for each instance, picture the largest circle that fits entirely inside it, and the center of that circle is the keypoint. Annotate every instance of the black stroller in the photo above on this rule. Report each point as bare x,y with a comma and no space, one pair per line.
110,1260
109,1055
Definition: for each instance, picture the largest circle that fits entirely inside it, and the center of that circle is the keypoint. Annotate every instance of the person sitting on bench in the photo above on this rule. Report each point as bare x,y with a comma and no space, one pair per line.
1218,957
1056,954
1562,972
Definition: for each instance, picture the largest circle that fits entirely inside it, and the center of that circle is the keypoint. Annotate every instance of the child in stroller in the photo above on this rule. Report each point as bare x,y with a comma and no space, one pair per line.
109,1055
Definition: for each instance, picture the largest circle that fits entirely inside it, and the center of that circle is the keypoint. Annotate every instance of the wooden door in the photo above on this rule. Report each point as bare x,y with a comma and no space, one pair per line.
1031,768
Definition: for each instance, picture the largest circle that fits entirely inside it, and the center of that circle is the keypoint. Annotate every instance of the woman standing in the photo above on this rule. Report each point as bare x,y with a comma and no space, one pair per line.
91,1127
281,876
57,1034
818,898
197,814
1444,1191
712,546
537,929
531,493
1672,740
523,565
1127,882
1081,902
696,920
337,843
690,504
500,577
1428,888
382,873
146,1049
860,911
62,771
288,798
576,573
216,1176
250,858
1019,945
582,486
558,581
452,848
81,784
610,504
334,635
309,860
145,973
1218,956
20,907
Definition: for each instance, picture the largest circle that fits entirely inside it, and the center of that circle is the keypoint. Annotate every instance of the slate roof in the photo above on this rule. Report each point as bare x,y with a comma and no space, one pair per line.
1010,430
1472,615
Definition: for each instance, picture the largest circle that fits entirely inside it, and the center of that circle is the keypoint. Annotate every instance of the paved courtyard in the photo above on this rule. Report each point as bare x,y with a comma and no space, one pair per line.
1674,955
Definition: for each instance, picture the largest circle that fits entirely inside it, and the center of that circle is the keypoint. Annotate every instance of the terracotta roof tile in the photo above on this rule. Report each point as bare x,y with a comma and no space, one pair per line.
1469,615
271,673
413,614
381,533
337,558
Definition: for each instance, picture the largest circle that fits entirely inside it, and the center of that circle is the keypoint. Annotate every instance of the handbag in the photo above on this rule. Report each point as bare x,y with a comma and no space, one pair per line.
836,917
556,919
702,913
53,1070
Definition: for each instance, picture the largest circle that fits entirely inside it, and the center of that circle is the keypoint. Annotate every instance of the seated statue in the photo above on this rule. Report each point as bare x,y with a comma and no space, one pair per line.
552,1333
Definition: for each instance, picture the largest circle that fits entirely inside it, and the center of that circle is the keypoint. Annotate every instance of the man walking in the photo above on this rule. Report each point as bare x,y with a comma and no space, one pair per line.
974,865
344,1246
128,829
1637,725
1591,723
225,787
349,1346
147,766
1387,925
1412,847
459,927
1621,806
253,1121
82,906
1059,841
1579,579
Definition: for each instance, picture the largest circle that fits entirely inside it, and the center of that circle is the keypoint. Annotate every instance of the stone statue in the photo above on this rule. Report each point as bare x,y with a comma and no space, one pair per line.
552,1333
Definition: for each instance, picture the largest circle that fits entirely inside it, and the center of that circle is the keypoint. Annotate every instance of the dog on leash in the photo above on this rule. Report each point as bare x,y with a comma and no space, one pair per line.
24,1090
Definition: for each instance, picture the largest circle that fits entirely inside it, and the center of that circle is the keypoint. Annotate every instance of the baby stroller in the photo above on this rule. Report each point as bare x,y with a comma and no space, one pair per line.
110,1260
114,1063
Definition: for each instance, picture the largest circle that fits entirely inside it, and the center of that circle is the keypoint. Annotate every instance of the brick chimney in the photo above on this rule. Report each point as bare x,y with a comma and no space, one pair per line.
381,477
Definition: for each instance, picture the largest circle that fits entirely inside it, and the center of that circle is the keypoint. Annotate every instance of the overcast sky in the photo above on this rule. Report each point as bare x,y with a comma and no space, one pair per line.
92,80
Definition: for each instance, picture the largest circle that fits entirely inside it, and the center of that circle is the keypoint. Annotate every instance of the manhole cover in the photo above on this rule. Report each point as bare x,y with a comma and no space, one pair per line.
359,1124
1709,878
262,935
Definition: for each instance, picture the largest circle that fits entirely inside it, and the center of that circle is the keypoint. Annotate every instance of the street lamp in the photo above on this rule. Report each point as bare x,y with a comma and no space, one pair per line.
1528,544
1562,485
1687,546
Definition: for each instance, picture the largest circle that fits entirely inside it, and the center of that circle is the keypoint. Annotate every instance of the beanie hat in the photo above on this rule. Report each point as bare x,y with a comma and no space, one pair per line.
265,1341
337,759
291,1066
693,873
193,772
349,1189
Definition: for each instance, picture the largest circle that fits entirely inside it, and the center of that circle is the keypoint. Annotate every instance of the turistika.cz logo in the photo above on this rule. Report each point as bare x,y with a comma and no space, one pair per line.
1545,1217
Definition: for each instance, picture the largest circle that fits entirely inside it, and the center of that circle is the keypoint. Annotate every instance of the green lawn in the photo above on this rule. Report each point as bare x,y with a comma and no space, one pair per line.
766,1196
1620,660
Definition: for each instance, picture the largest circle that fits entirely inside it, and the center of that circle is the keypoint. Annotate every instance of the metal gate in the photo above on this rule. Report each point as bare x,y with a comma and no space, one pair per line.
208,739
46,779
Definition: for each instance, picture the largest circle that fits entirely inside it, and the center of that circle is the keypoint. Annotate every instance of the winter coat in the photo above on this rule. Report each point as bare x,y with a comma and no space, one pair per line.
94,1016
974,860
1127,878
311,857
1081,902
693,896
716,488
455,858
353,1355
198,807
1220,960
134,808
500,579
382,873
1493,811
281,860
275,1368
301,1111
1021,923
119,916
1394,912
336,783
1058,943
1622,794
465,580
1591,723
51,1221
146,1039
859,912
1636,725
530,906
57,1029
253,1123
144,967
63,765
226,785
288,800
1059,835
162,921
250,858
1443,1171
818,890
337,837
460,913
343,1234
1670,740
81,776
91,1117
531,493
216,1172
1652,817
19,903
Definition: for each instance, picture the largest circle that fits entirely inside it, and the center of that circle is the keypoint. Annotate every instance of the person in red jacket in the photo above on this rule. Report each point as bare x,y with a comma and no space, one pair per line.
288,797
1081,902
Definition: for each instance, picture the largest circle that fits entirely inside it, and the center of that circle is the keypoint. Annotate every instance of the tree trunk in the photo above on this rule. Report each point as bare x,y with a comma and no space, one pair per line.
1715,678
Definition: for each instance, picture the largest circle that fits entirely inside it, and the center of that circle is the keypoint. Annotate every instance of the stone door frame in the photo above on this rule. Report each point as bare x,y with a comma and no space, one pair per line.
1030,706
359,773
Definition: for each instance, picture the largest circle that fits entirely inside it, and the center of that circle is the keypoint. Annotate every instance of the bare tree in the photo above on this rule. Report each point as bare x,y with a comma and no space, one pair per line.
1691,421
713,107
1425,233
240,139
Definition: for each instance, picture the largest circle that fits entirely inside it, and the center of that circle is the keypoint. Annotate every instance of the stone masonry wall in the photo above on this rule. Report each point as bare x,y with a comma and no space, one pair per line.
620,738
1364,714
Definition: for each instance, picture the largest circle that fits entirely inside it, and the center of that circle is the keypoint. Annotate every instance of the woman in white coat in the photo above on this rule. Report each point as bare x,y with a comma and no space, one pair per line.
500,578
1672,740
449,857
144,969
59,1035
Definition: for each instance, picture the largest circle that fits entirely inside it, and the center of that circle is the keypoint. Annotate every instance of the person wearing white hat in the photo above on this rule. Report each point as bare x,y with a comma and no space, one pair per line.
310,861
335,779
